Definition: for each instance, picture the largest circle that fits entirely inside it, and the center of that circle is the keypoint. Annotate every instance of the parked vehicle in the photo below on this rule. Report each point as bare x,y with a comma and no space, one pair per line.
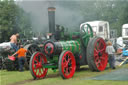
100,28
125,33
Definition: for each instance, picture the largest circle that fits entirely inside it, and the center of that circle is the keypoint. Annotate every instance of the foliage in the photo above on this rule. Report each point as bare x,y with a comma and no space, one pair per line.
13,19
114,11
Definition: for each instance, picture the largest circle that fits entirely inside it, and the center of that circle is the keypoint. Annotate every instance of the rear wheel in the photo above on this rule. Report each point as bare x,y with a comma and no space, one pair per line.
36,65
31,48
96,56
67,64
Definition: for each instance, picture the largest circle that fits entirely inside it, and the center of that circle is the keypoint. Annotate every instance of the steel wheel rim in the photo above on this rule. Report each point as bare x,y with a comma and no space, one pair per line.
37,66
31,50
68,65
100,57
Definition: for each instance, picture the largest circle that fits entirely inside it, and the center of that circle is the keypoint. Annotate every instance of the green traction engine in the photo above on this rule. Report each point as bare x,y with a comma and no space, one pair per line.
67,56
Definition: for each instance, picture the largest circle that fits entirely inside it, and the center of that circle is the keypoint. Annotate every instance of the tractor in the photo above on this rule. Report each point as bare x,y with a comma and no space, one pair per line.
82,49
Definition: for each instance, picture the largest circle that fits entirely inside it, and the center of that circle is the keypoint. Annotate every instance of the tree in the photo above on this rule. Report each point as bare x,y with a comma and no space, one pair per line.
113,11
13,19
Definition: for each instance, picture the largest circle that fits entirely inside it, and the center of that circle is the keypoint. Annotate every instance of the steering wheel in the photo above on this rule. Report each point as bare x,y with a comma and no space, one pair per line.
86,33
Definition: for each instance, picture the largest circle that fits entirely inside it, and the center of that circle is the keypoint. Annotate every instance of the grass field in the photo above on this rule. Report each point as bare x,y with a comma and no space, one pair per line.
53,78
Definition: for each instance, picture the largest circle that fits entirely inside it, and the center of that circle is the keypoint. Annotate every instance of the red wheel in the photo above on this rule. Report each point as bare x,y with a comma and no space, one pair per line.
96,56
36,65
67,64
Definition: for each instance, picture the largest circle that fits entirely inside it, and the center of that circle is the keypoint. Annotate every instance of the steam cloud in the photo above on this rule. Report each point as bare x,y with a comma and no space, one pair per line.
67,14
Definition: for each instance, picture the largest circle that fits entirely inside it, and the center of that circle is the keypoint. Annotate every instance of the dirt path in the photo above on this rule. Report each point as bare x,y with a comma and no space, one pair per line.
31,80
22,82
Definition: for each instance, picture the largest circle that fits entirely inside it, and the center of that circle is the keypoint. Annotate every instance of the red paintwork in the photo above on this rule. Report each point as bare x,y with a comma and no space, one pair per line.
80,56
52,48
100,57
68,71
37,66
11,58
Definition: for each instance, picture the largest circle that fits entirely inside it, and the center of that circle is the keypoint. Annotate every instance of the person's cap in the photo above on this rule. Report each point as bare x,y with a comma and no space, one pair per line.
21,46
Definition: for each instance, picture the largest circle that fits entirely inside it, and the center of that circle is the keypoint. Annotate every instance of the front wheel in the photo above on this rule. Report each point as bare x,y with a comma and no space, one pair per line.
36,65
67,64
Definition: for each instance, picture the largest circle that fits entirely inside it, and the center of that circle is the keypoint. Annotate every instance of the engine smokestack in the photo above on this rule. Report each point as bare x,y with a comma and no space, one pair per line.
51,17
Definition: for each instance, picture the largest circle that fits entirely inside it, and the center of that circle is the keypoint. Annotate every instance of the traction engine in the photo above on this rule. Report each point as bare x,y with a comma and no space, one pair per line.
82,49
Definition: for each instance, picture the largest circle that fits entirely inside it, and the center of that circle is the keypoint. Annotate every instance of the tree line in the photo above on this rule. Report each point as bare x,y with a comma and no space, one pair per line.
113,11
13,19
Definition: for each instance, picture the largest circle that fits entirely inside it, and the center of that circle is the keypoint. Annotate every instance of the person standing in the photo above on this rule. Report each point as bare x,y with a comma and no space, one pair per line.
13,41
110,51
21,57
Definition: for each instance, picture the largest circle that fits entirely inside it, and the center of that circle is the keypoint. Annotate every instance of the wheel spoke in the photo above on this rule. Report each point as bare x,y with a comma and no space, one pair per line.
99,45
32,49
95,52
64,63
83,30
29,52
98,63
101,50
66,70
84,36
69,60
40,59
101,64
103,58
36,60
97,60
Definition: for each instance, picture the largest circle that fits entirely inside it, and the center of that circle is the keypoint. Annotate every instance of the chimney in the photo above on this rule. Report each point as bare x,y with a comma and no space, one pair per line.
51,17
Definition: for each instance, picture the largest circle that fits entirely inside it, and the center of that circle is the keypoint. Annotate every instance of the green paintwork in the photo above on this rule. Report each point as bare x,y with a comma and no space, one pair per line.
87,33
71,45
50,66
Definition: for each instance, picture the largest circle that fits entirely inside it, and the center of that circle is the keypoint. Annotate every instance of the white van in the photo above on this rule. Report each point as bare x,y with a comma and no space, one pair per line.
100,28
125,32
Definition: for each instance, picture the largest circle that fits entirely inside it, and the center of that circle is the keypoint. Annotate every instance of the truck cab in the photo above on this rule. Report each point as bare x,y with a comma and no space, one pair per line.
100,28
125,33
